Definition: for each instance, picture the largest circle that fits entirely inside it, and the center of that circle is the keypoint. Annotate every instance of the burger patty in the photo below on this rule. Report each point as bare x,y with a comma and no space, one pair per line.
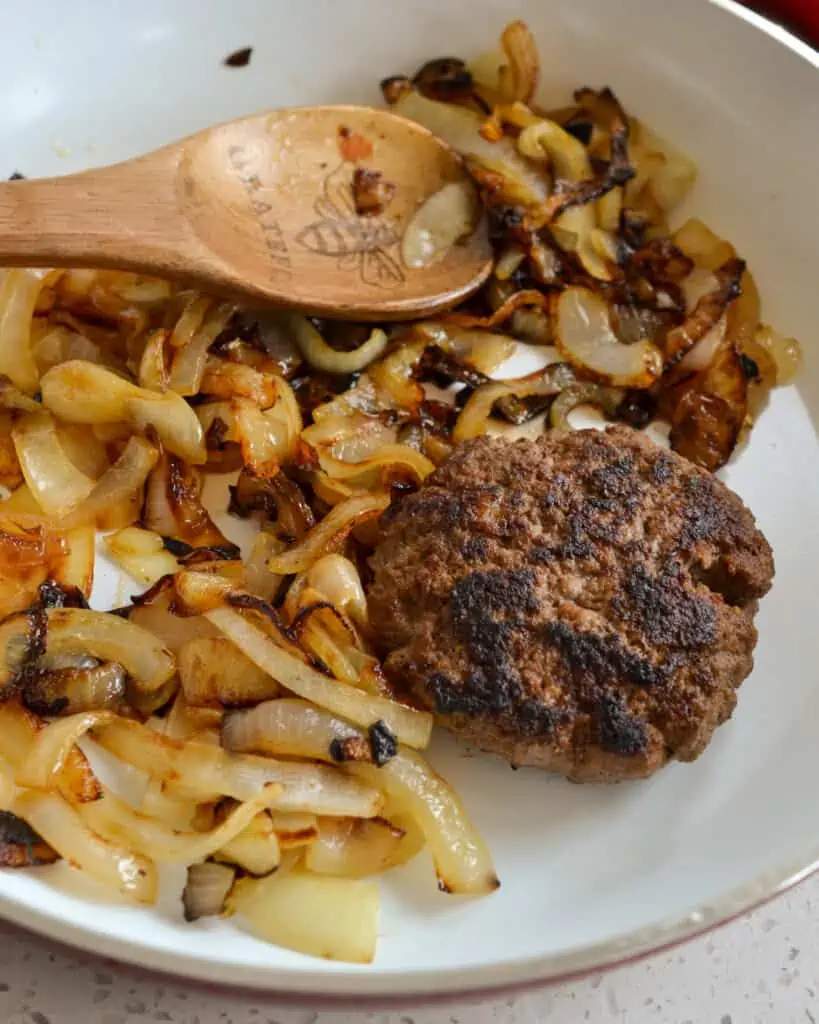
583,602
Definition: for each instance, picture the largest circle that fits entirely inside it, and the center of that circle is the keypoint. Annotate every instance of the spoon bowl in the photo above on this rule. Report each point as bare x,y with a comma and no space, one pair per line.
263,207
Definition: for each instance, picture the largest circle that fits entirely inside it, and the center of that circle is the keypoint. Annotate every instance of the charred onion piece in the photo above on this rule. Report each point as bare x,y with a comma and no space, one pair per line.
710,412
21,846
706,313
444,78
207,889
371,194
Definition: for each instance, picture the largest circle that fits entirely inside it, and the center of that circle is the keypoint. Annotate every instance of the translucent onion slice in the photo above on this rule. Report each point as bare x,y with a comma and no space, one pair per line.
104,636
63,829
358,849
207,772
330,534
53,745
141,553
584,336
56,483
255,849
118,822
460,128
72,690
334,918
19,729
173,631
286,727
188,366
81,392
153,372
19,291
462,861
214,673
322,356
442,220
296,830
408,725
206,890
339,582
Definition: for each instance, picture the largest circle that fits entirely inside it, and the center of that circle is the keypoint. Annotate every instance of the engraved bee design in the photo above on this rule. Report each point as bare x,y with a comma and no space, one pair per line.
355,242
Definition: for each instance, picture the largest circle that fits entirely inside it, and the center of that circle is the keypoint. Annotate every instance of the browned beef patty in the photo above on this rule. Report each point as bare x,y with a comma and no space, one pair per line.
583,602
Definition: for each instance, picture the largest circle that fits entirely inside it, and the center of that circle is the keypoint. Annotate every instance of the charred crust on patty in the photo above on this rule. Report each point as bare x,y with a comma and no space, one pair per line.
583,602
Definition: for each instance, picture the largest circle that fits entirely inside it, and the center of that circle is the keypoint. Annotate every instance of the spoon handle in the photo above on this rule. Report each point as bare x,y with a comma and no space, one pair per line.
124,217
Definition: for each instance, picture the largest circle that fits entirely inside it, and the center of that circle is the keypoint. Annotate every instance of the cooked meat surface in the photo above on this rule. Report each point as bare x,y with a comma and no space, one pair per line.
583,602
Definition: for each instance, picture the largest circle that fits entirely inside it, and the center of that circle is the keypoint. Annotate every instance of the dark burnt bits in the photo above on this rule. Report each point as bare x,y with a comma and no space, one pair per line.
352,748
383,744
486,609
394,87
371,193
52,594
238,58
21,846
596,660
666,611
618,731
16,176
444,78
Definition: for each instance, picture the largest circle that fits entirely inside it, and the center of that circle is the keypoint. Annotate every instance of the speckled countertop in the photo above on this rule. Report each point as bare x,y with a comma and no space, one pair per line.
763,969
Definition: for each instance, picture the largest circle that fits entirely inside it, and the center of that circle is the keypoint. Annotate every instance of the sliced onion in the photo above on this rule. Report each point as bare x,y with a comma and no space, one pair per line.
12,397
355,447
223,379
462,861
297,830
264,447
409,726
107,637
460,128
213,672
20,845
584,393
83,448
322,356
334,918
118,485
20,728
117,821
337,579
81,392
330,534
190,320
207,772
286,727
173,506
785,352
173,631
188,366
206,890
141,553
52,747
19,291
358,849
518,78
584,336
153,371
442,220
474,419
256,849
62,828
56,483
67,691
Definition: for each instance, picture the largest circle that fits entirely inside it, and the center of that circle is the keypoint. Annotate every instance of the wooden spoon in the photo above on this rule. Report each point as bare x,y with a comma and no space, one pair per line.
262,207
